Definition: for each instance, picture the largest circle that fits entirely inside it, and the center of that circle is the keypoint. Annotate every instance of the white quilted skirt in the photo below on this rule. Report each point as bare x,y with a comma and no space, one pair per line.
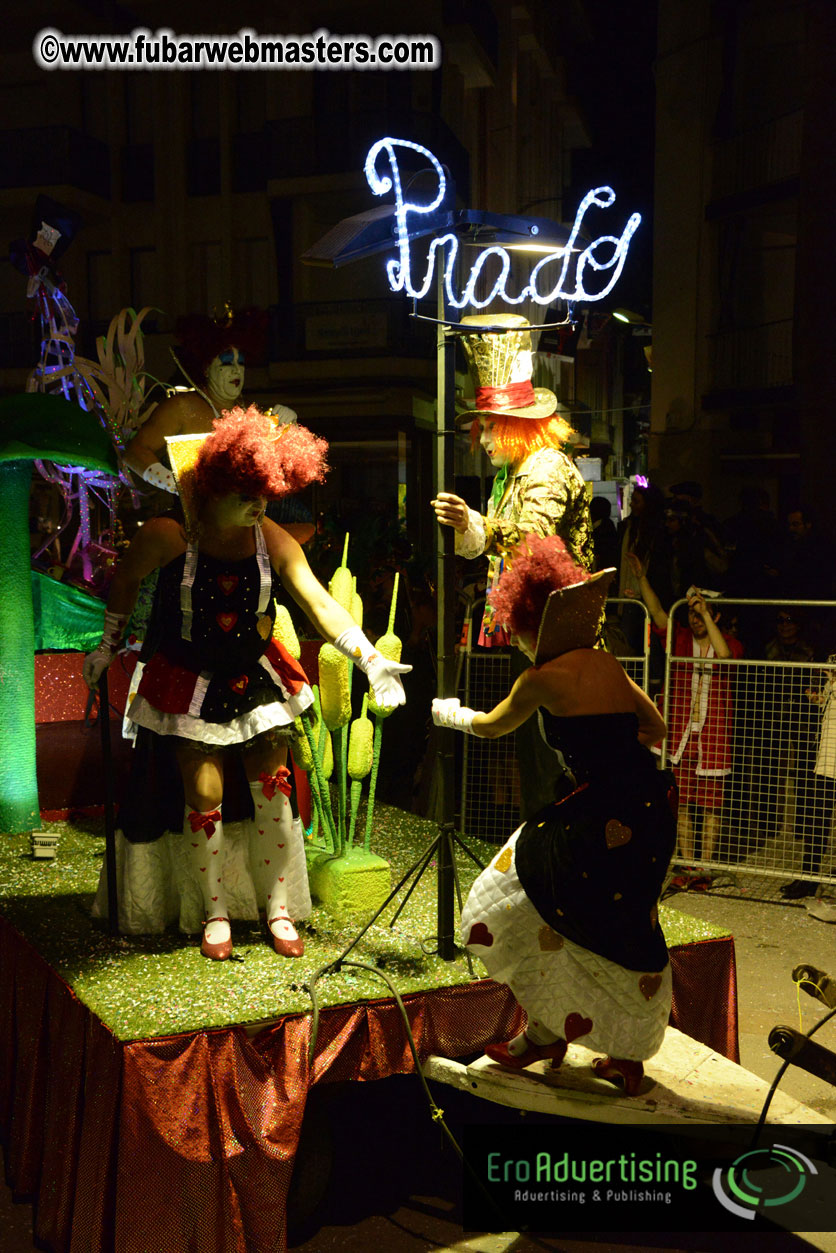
156,886
609,1008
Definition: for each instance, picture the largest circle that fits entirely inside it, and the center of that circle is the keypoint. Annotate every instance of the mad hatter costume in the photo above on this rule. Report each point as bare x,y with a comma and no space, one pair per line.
566,914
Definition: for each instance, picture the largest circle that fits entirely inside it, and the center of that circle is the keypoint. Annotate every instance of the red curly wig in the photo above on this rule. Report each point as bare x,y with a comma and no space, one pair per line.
201,339
538,566
515,438
248,453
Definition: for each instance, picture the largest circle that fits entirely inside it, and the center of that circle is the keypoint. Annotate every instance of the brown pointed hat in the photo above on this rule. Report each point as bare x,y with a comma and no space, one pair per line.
572,617
501,365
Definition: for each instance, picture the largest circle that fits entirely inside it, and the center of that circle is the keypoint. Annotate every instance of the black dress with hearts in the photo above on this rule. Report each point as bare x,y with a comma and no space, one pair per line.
567,913
212,671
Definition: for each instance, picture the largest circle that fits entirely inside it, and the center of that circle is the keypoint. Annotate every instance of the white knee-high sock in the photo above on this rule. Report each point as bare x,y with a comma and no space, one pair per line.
203,832
271,846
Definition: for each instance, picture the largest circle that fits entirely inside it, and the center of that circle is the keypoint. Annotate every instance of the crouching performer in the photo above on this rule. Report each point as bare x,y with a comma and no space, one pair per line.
214,679
567,913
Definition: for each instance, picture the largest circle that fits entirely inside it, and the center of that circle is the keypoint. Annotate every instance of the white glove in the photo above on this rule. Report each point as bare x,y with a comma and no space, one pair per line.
97,662
283,415
159,476
382,673
450,712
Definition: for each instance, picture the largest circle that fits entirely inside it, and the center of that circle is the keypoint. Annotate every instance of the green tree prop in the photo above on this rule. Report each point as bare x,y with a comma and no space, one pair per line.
33,426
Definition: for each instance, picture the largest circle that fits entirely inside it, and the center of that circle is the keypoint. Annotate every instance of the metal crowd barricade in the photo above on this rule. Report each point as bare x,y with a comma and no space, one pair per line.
490,798
757,785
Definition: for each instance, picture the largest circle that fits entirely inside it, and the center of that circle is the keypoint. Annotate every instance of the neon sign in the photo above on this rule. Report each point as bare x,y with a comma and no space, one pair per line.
399,270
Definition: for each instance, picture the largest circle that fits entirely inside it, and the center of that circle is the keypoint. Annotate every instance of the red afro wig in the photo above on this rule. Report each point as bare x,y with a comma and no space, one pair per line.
201,339
538,566
248,453
515,438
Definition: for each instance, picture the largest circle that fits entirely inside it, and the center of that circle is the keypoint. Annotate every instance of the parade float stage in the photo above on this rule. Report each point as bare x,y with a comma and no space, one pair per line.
145,1089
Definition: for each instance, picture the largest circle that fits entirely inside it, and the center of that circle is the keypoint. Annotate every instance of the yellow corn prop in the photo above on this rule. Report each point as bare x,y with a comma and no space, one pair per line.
390,646
284,631
356,610
334,692
360,746
341,586
301,749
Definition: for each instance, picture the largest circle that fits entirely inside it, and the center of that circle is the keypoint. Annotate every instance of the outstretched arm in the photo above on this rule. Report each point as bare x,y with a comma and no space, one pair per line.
651,600
333,623
510,713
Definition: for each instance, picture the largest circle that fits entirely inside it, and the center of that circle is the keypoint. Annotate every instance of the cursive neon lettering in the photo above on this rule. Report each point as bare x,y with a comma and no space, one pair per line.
607,253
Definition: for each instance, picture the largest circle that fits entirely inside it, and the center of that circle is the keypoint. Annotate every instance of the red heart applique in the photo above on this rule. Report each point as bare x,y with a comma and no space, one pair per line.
281,878
194,846
226,621
479,934
277,819
649,985
202,869
267,861
616,833
239,685
576,1026
214,852
214,898
280,846
227,583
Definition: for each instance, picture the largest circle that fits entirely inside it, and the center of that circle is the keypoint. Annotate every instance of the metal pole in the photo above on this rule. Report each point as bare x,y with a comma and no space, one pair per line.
110,829
445,590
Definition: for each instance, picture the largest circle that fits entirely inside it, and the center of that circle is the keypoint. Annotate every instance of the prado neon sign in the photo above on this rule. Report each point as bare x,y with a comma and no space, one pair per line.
539,288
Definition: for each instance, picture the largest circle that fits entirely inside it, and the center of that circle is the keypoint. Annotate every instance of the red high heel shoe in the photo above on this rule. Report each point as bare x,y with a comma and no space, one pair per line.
615,1068
531,1053
217,952
285,948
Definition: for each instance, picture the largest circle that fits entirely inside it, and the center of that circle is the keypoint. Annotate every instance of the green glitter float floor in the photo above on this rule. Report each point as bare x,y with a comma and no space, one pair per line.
147,986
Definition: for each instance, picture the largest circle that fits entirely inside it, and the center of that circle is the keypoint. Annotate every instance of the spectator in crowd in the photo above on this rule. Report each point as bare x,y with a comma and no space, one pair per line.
683,552
604,541
816,775
774,722
705,530
699,715
641,532
751,538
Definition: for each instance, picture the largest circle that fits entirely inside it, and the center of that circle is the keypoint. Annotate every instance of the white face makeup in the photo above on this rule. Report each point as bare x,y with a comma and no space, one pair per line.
225,376
238,509
527,645
486,439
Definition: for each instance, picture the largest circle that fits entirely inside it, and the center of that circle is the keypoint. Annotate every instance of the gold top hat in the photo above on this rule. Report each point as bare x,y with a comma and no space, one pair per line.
501,365
572,616
183,452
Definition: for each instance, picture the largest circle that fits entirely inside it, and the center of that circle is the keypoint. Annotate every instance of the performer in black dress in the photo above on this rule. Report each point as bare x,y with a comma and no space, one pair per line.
567,913
214,677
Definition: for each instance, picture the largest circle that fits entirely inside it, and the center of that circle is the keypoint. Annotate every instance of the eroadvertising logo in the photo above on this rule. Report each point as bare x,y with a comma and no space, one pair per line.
574,1177
782,1173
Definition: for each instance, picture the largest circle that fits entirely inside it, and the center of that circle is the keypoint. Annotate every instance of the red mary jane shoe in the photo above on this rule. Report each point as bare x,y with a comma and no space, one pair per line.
531,1053
285,948
217,952
615,1068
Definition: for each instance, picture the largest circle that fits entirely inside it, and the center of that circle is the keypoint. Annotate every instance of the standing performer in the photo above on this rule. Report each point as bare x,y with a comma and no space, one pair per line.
538,490
567,913
214,678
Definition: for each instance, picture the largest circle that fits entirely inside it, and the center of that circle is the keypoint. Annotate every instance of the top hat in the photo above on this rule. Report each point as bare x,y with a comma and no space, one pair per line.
572,616
501,366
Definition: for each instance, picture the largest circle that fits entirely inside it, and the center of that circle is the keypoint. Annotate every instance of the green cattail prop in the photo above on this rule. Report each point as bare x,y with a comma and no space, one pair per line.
335,695
341,586
359,761
285,632
390,646
319,742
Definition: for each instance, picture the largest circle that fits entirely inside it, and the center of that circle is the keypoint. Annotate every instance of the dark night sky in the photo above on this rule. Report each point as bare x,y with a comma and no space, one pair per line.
612,78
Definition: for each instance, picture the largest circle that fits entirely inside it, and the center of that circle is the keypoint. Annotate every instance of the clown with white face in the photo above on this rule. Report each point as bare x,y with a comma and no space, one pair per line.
211,355
225,378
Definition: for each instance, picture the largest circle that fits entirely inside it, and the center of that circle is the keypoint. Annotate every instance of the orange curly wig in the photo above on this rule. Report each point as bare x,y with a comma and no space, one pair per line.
248,453
538,566
515,438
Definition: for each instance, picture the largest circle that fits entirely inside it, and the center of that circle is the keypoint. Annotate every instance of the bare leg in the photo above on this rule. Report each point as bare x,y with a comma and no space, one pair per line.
685,833
710,831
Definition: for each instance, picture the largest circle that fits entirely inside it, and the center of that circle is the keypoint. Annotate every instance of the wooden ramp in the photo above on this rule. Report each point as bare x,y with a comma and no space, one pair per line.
684,1083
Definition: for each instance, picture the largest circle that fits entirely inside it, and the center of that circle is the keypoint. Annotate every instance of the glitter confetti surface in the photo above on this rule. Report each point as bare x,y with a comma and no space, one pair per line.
146,986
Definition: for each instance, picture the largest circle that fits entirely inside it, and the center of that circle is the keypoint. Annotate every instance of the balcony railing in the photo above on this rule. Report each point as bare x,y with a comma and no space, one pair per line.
752,357
758,157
